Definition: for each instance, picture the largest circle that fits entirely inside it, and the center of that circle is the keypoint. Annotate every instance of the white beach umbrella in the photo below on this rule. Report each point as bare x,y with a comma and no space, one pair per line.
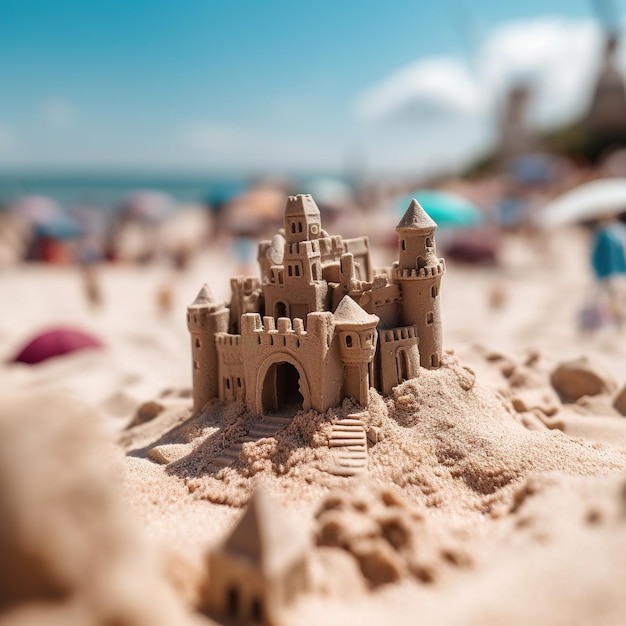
587,202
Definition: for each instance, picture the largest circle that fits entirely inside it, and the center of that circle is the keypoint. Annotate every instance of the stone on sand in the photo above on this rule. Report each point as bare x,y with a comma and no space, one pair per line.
580,377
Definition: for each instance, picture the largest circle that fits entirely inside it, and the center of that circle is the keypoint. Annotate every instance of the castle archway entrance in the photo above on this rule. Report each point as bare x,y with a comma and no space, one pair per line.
280,309
281,389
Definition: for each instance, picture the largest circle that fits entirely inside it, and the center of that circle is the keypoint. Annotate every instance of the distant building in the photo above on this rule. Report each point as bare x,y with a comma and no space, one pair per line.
516,136
320,325
604,125
259,569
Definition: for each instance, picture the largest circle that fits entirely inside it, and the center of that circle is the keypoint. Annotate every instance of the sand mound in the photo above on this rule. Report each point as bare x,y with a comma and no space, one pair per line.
65,539
389,538
447,441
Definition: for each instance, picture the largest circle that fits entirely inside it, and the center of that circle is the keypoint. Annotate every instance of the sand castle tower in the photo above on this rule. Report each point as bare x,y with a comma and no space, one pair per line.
259,568
302,289
357,341
419,272
205,317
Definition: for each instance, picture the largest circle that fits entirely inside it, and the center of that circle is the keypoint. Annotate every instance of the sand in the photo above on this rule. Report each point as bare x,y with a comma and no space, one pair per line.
489,498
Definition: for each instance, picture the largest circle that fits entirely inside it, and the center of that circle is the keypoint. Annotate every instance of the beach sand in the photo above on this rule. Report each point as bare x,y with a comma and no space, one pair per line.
490,498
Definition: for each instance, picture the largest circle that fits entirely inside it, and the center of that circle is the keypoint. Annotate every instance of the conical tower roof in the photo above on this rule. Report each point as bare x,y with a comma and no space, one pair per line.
302,204
204,298
263,536
416,218
349,313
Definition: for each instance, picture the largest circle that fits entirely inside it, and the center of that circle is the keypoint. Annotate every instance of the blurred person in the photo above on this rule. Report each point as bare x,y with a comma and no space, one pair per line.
608,261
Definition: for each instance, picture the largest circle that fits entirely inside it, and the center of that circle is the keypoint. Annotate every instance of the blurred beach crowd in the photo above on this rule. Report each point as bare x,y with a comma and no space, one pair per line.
500,196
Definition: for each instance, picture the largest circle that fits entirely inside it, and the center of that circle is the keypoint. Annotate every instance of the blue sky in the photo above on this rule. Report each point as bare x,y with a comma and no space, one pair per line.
265,84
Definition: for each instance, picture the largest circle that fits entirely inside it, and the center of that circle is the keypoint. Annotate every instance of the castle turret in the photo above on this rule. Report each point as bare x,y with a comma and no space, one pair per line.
418,272
302,219
299,289
205,318
356,331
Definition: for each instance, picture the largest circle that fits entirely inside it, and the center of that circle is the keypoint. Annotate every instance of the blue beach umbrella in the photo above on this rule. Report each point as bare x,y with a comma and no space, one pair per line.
447,209
63,227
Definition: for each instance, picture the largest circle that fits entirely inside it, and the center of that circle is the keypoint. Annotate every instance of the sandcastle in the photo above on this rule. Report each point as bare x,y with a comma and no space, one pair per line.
259,568
320,325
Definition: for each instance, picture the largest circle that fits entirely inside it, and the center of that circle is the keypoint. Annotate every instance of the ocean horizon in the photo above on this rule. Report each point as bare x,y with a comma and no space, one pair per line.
107,190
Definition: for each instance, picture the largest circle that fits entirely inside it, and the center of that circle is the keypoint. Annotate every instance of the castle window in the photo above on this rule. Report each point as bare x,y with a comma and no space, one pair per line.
239,383
434,291
434,360
256,611
293,227
198,343
299,227
228,383
403,244
430,318
196,365
297,270
349,341
429,242
290,270
232,602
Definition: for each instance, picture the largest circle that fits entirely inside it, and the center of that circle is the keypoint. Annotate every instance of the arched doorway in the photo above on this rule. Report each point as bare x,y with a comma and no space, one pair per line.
402,365
281,389
280,309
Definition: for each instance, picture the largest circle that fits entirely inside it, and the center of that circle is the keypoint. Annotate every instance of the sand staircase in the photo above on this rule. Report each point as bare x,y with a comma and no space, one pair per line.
266,426
348,444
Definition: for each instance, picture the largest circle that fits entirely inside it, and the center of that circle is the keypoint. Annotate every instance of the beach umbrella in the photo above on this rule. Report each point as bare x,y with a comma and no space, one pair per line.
256,211
148,206
446,209
36,210
55,342
61,228
597,199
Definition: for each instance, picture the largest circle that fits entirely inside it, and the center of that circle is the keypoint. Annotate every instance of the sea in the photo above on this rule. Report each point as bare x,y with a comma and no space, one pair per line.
108,190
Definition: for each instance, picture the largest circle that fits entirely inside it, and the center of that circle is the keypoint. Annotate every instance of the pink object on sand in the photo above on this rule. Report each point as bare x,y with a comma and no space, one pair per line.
55,342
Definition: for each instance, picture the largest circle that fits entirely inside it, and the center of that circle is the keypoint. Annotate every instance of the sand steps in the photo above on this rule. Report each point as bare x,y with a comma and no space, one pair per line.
229,455
348,444
266,426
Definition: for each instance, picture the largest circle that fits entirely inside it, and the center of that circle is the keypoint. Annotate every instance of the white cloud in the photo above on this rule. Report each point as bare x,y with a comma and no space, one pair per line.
57,112
556,57
438,85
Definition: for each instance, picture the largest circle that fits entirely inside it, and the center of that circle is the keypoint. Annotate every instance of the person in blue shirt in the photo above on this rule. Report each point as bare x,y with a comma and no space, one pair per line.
607,256
608,260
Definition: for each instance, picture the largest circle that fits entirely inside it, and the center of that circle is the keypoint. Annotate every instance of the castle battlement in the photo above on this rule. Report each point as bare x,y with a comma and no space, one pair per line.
401,273
397,334
244,285
331,246
227,339
229,348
